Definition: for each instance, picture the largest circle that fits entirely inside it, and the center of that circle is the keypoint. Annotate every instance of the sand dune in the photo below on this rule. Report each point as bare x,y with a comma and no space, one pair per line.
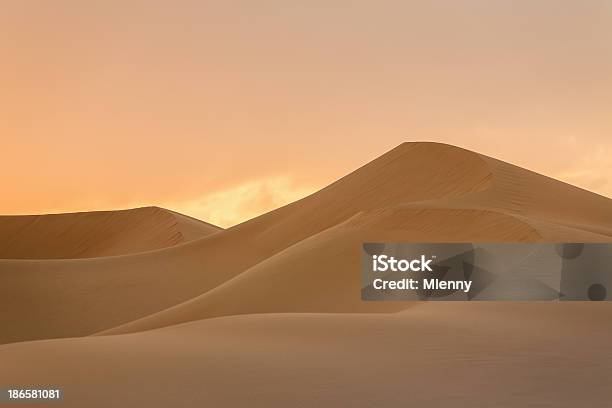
437,354
96,234
275,262
495,201
319,273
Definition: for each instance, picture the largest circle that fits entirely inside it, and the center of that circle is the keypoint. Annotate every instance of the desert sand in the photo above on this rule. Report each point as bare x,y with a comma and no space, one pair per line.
150,308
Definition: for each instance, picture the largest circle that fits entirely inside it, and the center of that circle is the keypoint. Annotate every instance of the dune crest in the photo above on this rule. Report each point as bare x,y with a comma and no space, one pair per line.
97,233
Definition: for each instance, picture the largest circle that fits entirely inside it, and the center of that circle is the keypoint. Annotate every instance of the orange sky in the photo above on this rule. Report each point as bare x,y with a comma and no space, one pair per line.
224,110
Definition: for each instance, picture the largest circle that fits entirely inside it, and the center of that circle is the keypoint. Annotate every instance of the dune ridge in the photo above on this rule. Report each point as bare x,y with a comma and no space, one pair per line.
96,234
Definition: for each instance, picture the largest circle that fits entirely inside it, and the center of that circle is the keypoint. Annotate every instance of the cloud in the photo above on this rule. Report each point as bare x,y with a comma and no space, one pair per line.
244,201
592,171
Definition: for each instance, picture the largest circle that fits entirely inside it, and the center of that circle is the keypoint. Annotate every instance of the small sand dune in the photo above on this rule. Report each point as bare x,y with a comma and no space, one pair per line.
96,234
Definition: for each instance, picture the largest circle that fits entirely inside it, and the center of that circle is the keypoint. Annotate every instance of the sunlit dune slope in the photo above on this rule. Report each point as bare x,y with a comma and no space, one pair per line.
302,257
96,234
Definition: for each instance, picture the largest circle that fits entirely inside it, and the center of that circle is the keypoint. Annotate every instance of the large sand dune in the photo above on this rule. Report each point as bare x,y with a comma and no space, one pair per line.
159,300
275,262
428,193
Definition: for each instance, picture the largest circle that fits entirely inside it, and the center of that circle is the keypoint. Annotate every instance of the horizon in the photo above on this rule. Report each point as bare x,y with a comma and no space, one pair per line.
226,111
298,198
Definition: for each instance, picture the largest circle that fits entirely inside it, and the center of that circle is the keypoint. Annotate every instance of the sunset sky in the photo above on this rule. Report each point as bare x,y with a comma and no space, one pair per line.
224,110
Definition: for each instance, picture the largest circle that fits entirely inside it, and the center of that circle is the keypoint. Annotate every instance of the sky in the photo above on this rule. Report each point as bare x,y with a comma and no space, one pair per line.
227,109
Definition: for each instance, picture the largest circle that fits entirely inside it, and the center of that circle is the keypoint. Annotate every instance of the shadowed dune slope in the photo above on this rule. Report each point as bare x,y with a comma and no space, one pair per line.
321,273
472,354
425,192
96,234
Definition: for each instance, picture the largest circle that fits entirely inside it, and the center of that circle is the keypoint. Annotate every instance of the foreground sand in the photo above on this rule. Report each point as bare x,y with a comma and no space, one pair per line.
268,313
436,355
